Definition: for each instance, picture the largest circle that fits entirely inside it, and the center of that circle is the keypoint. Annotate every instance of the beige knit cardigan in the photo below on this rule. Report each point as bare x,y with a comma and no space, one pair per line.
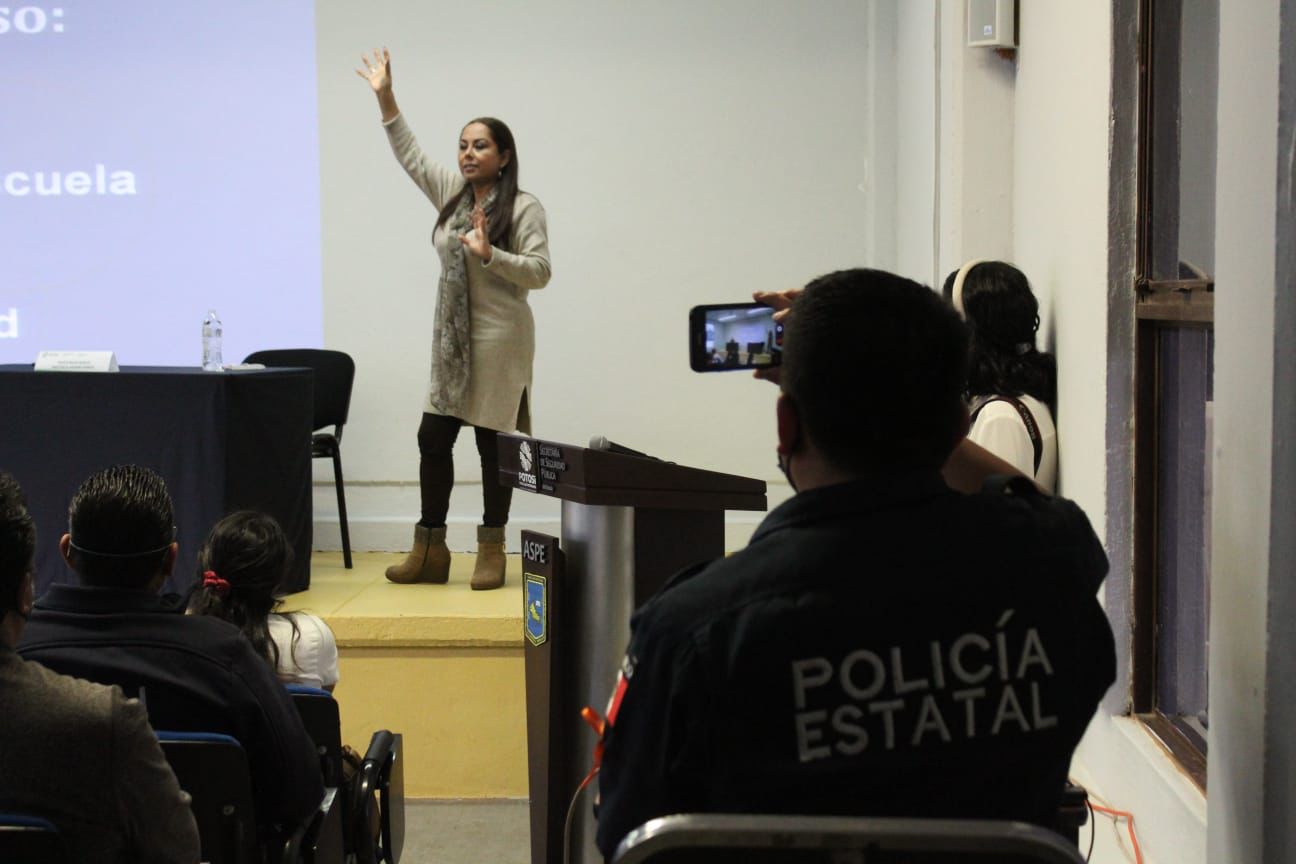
502,327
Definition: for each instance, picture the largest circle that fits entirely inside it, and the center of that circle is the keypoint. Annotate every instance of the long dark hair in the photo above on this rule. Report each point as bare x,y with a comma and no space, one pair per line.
1002,316
250,552
499,221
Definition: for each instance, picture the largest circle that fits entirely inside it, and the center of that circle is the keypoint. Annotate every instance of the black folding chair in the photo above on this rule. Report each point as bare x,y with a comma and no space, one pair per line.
30,839
213,769
326,841
730,838
334,375
382,773
319,714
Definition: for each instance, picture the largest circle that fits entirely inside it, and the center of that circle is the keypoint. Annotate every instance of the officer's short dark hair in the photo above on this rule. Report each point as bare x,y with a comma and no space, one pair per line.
17,542
121,523
876,365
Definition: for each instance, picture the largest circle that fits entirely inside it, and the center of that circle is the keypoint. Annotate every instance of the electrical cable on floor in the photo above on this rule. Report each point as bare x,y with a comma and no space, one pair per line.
1116,816
1093,827
599,724
571,811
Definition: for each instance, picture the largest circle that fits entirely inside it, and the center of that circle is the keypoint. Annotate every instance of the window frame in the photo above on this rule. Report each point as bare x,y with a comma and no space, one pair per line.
1159,305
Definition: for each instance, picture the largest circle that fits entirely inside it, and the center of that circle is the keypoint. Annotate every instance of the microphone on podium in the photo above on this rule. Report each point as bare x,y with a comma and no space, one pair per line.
598,442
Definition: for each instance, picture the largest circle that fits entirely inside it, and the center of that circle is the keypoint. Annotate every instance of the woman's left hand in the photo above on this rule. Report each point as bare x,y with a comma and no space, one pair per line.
477,241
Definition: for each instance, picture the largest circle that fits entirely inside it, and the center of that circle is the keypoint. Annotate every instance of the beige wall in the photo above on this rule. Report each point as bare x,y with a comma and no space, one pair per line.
462,712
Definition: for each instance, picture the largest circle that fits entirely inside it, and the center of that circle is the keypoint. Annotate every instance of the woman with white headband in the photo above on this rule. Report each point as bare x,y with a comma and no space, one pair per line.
1012,386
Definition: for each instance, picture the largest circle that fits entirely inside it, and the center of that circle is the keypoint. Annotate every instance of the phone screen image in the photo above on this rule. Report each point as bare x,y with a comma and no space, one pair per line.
734,336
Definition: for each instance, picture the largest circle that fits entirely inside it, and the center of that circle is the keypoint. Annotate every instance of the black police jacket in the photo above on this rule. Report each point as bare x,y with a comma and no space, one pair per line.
893,649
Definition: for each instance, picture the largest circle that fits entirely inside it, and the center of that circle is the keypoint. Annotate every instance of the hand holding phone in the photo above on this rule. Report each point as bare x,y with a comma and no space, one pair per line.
779,301
731,337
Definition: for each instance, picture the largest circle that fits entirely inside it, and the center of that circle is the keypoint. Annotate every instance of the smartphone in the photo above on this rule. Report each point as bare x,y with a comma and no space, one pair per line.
730,336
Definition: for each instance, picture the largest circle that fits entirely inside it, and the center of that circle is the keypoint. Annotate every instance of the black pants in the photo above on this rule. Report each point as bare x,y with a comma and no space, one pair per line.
436,438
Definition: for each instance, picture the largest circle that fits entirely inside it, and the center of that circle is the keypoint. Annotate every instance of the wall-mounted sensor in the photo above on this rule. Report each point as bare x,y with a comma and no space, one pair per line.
992,23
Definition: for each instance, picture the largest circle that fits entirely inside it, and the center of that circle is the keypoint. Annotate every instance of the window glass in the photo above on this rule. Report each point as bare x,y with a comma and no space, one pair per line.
1183,521
1182,139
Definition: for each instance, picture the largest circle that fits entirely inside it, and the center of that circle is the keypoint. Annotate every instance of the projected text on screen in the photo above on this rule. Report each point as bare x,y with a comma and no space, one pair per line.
158,159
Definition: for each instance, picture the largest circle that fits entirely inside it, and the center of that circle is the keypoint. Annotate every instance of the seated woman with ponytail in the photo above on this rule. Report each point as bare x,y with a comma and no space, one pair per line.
240,567
1012,387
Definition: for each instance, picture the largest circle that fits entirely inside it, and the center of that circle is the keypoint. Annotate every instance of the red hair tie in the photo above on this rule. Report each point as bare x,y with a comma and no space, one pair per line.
215,583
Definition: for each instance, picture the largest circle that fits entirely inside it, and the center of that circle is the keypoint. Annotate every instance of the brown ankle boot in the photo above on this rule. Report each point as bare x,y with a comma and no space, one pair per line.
428,561
488,573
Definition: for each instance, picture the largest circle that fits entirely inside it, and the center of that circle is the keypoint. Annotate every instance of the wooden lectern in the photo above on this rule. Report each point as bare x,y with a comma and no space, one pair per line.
629,522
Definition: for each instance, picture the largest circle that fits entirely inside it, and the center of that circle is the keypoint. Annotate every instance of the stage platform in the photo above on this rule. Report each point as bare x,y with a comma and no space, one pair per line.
441,664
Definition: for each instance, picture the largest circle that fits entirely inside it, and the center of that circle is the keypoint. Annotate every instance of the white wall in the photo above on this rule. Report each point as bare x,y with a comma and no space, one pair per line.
916,133
976,167
685,153
902,95
1059,183
1244,782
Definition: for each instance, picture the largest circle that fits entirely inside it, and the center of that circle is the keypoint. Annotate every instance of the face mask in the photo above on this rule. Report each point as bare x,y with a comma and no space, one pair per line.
785,462
785,465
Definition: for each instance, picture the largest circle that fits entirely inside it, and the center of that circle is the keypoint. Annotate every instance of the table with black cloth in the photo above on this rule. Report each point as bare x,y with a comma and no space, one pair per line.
223,441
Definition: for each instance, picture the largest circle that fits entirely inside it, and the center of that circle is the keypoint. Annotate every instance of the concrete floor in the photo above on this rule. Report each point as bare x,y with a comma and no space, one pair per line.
467,832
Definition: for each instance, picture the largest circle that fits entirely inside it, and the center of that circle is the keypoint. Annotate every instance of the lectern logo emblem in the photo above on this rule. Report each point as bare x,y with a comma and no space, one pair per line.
526,476
537,609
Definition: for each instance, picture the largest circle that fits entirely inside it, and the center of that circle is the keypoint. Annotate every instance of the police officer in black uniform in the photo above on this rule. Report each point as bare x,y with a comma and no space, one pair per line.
886,645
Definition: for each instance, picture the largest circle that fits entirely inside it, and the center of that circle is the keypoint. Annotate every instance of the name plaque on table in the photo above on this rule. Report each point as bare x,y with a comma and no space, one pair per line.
76,361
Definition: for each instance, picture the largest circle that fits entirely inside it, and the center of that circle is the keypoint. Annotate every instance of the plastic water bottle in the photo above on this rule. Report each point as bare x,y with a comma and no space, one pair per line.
211,332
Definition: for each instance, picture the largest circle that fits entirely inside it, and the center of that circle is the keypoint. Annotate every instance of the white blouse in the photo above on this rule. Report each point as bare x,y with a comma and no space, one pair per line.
313,659
999,429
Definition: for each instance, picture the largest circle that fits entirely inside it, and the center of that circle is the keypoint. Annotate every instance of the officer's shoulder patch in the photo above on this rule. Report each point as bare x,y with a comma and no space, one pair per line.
624,674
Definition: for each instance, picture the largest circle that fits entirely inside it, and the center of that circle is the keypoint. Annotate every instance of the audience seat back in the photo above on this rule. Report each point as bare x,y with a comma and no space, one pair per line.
319,714
730,839
30,839
213,769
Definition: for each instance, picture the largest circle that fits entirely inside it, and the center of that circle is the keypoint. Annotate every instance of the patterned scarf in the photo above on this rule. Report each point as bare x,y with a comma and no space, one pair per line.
452,336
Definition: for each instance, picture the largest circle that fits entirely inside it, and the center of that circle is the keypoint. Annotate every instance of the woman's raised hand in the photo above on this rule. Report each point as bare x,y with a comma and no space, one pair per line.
477,241
377,71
